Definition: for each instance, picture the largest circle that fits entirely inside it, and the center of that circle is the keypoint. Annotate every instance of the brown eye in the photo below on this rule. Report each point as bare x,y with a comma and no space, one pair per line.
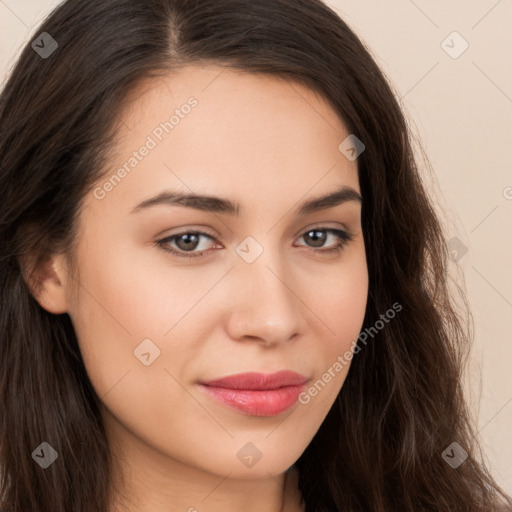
187,241
184,243
317,237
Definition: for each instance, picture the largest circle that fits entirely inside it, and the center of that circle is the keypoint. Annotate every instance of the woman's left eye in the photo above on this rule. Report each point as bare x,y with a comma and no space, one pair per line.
188,241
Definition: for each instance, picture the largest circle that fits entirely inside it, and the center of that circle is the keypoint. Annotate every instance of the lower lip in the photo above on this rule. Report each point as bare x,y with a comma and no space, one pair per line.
257,403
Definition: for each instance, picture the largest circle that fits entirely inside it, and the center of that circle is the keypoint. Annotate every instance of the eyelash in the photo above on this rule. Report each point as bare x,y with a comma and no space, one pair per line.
344,236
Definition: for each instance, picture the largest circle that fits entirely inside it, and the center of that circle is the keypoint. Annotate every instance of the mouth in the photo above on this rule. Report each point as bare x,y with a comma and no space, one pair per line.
257,394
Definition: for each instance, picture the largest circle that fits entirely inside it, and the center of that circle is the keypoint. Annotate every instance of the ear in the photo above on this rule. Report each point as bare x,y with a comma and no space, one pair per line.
47,283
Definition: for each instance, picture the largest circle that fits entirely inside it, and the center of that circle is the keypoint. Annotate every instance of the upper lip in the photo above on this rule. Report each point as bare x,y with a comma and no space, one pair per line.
258,381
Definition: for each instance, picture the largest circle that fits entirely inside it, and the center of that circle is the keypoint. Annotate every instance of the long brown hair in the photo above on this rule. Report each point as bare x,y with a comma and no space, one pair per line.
401,406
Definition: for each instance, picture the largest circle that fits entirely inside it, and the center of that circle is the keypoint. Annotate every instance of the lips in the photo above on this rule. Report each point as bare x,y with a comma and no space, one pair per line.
257,394
258,381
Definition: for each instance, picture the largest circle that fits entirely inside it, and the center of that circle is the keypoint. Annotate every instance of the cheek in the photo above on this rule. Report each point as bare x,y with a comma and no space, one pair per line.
116,310
139,296
343,311
128,298
341,306
341,301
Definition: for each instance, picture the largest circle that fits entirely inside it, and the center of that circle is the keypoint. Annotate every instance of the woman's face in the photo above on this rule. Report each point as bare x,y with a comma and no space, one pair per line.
263,296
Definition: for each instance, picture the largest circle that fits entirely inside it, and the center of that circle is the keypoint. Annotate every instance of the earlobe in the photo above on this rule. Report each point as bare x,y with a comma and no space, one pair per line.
47,283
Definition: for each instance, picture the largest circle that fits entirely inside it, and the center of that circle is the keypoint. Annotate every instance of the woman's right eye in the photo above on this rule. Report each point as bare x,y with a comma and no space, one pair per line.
188,240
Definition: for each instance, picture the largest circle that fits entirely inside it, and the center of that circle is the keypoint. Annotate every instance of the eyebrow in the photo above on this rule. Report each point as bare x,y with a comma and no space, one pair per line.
220,205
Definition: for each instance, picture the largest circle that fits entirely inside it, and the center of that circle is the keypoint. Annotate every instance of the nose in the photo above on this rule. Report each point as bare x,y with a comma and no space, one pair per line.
265,305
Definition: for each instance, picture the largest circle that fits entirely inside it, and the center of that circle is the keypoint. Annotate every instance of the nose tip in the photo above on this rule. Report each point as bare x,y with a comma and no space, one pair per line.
265,307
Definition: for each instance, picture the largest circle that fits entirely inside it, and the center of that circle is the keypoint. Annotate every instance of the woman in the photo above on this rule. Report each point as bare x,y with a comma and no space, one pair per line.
223,283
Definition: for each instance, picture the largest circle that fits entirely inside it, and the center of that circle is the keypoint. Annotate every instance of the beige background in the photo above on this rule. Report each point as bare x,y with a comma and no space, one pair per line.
461,109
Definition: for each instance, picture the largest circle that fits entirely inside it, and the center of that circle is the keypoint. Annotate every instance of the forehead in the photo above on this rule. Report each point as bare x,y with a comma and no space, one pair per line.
230,132
223,86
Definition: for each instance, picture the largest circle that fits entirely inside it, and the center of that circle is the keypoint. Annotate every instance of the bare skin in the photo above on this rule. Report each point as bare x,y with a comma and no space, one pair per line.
269,145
